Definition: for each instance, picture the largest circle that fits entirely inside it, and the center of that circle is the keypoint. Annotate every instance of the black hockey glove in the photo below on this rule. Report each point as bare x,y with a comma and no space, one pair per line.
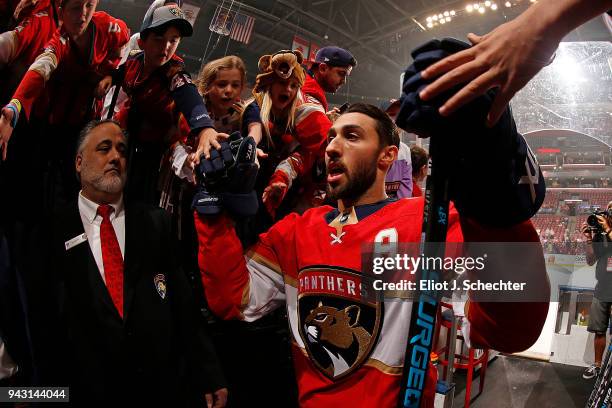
493,175
227,179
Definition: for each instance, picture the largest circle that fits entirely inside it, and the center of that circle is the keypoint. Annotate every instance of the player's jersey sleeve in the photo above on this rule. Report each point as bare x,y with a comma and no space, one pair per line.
503,325
238,286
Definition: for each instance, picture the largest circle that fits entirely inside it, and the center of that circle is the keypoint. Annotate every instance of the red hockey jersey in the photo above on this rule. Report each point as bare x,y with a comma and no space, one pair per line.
305,264
35,28
60,82
314,93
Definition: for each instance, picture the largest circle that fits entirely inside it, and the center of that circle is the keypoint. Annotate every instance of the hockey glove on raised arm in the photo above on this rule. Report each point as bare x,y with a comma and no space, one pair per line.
494,177
227,179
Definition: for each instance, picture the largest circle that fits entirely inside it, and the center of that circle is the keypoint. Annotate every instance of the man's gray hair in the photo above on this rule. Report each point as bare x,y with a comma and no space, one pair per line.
91,126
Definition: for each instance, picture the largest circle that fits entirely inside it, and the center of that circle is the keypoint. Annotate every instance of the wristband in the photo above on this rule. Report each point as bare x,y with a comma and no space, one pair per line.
15,106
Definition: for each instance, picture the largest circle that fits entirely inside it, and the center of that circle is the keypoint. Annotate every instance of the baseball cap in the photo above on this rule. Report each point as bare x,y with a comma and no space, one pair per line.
387,104
335,56
165,15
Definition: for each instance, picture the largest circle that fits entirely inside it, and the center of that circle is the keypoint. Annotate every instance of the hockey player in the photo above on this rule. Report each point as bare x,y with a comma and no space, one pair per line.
346,350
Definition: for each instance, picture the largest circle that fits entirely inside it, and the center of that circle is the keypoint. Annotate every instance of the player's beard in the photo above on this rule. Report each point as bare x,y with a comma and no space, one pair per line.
357,183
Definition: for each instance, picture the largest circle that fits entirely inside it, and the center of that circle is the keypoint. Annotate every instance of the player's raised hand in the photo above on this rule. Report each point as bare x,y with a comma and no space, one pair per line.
6,130
207,139
507,58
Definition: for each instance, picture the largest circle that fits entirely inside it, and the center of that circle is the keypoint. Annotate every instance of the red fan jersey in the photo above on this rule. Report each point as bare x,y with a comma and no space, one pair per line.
33,32
163,108
313,92
347,350
60,83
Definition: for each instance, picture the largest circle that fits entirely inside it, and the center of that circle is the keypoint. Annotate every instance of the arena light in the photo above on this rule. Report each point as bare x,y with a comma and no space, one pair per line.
487,3
440,16
430,25
481,10
508,4
448,19
493,6
429,19
469,8
442,21
452,13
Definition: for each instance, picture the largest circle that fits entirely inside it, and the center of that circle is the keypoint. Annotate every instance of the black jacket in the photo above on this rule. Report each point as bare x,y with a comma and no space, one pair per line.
158,354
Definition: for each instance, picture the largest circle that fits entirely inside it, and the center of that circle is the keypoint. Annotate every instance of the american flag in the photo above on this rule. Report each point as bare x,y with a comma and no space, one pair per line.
242,27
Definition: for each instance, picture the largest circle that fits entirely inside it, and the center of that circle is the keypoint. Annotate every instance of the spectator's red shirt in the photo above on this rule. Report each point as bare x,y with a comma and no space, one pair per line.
312,90
33,32
59,85
152,113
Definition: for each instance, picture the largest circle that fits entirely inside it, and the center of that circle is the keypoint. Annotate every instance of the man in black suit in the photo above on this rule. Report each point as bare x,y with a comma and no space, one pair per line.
115,331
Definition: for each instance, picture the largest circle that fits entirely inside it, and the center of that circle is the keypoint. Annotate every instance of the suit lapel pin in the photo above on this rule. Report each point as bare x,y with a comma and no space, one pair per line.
160,285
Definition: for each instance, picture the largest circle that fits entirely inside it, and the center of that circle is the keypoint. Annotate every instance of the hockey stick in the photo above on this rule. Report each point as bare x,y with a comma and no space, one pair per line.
120,74
425,303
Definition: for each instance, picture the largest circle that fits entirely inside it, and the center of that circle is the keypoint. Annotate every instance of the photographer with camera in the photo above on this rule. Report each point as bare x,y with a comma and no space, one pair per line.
598,231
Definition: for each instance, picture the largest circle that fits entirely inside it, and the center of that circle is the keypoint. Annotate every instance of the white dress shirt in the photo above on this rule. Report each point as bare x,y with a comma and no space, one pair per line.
91,223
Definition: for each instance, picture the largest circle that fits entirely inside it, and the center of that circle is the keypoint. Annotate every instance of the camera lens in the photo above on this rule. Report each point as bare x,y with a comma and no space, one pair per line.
592,221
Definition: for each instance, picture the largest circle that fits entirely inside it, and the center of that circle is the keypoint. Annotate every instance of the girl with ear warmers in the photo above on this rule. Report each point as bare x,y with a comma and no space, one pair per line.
295,132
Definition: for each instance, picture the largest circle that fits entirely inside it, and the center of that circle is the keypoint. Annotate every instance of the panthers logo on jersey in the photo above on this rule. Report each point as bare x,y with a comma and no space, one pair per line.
338,326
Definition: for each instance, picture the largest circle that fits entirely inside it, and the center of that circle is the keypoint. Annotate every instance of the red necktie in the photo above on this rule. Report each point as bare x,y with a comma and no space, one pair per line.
111,258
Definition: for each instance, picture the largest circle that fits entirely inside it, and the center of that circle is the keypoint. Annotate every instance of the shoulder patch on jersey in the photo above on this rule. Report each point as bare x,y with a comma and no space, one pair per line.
178,80
338,326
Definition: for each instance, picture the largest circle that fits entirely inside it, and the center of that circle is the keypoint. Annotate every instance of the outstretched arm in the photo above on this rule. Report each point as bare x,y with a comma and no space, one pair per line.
510,55
238,286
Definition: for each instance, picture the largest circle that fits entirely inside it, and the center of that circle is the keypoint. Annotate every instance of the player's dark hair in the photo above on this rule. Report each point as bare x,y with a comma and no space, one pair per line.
388,134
